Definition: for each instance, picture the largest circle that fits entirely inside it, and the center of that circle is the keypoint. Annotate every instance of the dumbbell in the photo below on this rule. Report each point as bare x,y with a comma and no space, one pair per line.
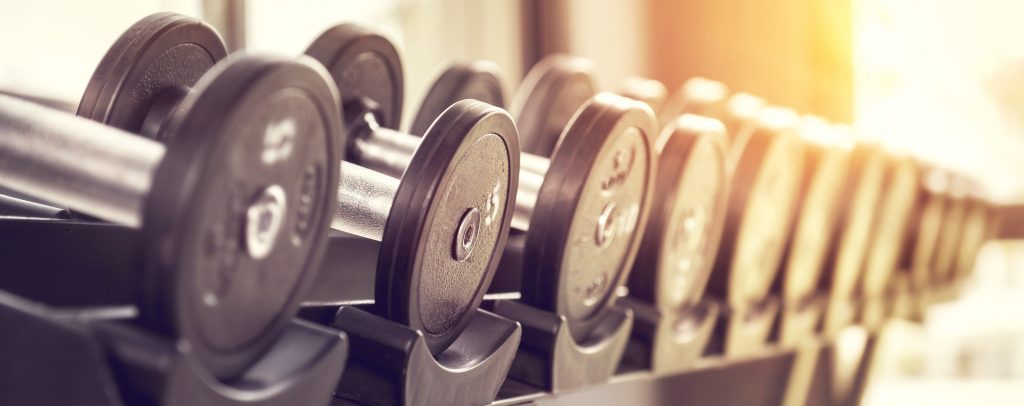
687,217
232,212
676,257
582,211
762,201
430,227
827,163
141,109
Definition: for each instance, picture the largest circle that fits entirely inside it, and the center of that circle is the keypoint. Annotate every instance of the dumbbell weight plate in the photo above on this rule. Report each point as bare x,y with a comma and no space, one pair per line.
477,80
899,194
471,166
548,98
238,215
160,52
591,211
687,214
762,198
827,158
467,159
366,67
859,208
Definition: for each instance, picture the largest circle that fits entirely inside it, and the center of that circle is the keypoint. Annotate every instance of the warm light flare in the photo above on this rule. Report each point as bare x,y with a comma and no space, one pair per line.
943,80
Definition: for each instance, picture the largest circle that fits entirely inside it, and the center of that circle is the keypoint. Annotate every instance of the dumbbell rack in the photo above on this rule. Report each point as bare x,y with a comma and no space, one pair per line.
59,354
759,379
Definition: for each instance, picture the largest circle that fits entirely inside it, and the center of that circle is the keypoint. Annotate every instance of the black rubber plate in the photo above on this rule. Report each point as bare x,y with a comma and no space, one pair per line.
891,222
763,192
826,165
468,159
687,214
161,52
602,169
251,123
367,69
548,98
859,208
478,81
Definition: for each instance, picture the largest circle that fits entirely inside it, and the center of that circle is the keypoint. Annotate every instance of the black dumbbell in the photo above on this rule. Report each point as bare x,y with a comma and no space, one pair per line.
767,168
687,216
233,212
434,227
131,90
582,210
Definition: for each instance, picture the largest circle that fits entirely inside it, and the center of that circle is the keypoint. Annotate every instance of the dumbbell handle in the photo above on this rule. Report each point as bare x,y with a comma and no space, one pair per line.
365,197
75,162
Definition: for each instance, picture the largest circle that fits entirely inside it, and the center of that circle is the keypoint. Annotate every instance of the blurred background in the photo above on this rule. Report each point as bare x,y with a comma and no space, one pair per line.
941,79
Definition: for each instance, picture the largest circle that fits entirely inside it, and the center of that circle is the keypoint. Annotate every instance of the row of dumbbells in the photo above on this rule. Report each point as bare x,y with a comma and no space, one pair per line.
235,167
876,232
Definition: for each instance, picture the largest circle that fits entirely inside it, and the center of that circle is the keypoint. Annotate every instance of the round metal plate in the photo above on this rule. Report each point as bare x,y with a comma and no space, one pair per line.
899,195
591,211
548,98
161,54
762,200
367,69
827,162
860,203
687,214
253,125
468,162
477,80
